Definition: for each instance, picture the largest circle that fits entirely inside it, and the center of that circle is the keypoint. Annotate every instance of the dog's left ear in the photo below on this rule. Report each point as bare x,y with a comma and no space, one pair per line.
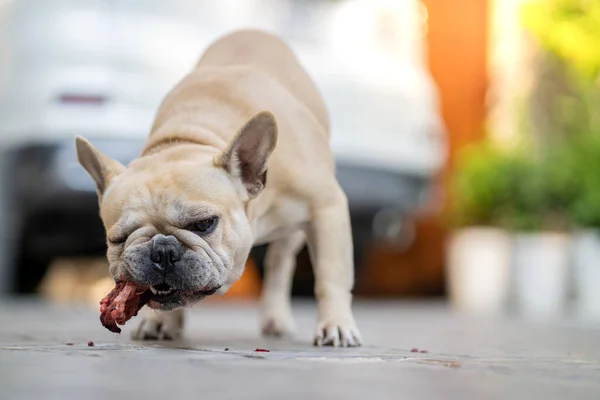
247,154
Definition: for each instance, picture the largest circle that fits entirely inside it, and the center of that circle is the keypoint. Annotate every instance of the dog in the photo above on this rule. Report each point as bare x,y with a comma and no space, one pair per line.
238,155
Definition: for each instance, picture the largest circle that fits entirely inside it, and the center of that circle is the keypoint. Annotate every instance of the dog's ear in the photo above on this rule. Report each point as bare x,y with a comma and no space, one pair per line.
101,168
247,154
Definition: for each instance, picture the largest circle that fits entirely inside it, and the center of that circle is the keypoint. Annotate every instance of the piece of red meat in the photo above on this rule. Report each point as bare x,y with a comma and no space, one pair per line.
122,304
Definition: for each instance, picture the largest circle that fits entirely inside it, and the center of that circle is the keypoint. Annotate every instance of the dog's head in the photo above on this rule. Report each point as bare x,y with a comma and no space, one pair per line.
176,220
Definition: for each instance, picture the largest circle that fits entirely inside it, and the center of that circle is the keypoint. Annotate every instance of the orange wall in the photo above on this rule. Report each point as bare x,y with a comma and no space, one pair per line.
457,40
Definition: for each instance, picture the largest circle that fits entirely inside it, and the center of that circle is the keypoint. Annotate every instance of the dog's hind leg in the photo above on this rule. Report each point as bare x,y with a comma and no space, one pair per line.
280,263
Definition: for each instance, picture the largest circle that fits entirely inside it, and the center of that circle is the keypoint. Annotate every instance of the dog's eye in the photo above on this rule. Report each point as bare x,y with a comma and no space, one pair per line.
206,225
117,241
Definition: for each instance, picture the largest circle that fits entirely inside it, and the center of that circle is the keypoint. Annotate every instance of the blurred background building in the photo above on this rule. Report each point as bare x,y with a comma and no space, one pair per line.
463,132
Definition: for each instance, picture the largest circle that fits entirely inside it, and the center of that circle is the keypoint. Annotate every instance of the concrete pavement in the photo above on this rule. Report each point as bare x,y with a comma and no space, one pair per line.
467,358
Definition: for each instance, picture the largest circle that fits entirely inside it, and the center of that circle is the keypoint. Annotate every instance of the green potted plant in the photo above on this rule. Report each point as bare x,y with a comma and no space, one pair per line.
479,248
541,189
585,214
570,30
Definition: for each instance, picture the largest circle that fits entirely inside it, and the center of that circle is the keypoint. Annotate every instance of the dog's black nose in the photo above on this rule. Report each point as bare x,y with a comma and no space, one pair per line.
166,251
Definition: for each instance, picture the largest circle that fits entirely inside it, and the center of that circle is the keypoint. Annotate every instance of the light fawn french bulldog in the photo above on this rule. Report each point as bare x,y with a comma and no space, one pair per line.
238,155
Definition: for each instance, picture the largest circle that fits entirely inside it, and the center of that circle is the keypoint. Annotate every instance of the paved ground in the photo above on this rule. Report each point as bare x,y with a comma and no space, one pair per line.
467,359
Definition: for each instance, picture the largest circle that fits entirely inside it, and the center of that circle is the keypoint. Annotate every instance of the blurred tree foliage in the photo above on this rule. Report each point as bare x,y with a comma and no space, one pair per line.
568,28
559,187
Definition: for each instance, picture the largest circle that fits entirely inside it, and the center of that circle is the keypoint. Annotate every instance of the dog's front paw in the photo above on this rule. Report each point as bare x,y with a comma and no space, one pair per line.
337,331
277,323
160,326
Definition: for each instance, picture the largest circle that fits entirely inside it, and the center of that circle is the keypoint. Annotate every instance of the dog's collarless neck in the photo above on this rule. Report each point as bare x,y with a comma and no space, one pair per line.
168,143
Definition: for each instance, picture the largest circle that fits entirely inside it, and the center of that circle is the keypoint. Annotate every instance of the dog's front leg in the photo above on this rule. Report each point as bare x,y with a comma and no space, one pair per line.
330,244
280,262
159,325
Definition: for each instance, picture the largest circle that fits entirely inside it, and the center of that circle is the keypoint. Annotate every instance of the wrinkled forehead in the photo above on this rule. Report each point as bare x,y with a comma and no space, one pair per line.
173,196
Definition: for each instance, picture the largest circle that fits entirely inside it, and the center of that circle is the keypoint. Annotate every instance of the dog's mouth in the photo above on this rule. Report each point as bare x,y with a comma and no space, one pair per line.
161,290
127,298
164,297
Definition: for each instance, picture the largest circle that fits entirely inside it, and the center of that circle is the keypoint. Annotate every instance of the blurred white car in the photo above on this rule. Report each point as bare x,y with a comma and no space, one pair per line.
99,68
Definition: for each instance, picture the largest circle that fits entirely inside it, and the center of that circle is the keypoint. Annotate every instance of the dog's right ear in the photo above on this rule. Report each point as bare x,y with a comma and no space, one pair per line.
101,168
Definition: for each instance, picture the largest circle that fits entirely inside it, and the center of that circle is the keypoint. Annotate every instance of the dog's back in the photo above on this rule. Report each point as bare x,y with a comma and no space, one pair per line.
272,55
239,75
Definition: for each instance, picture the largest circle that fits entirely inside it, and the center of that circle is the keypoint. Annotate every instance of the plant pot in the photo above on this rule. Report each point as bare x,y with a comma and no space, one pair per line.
478,270
586,274
541,266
